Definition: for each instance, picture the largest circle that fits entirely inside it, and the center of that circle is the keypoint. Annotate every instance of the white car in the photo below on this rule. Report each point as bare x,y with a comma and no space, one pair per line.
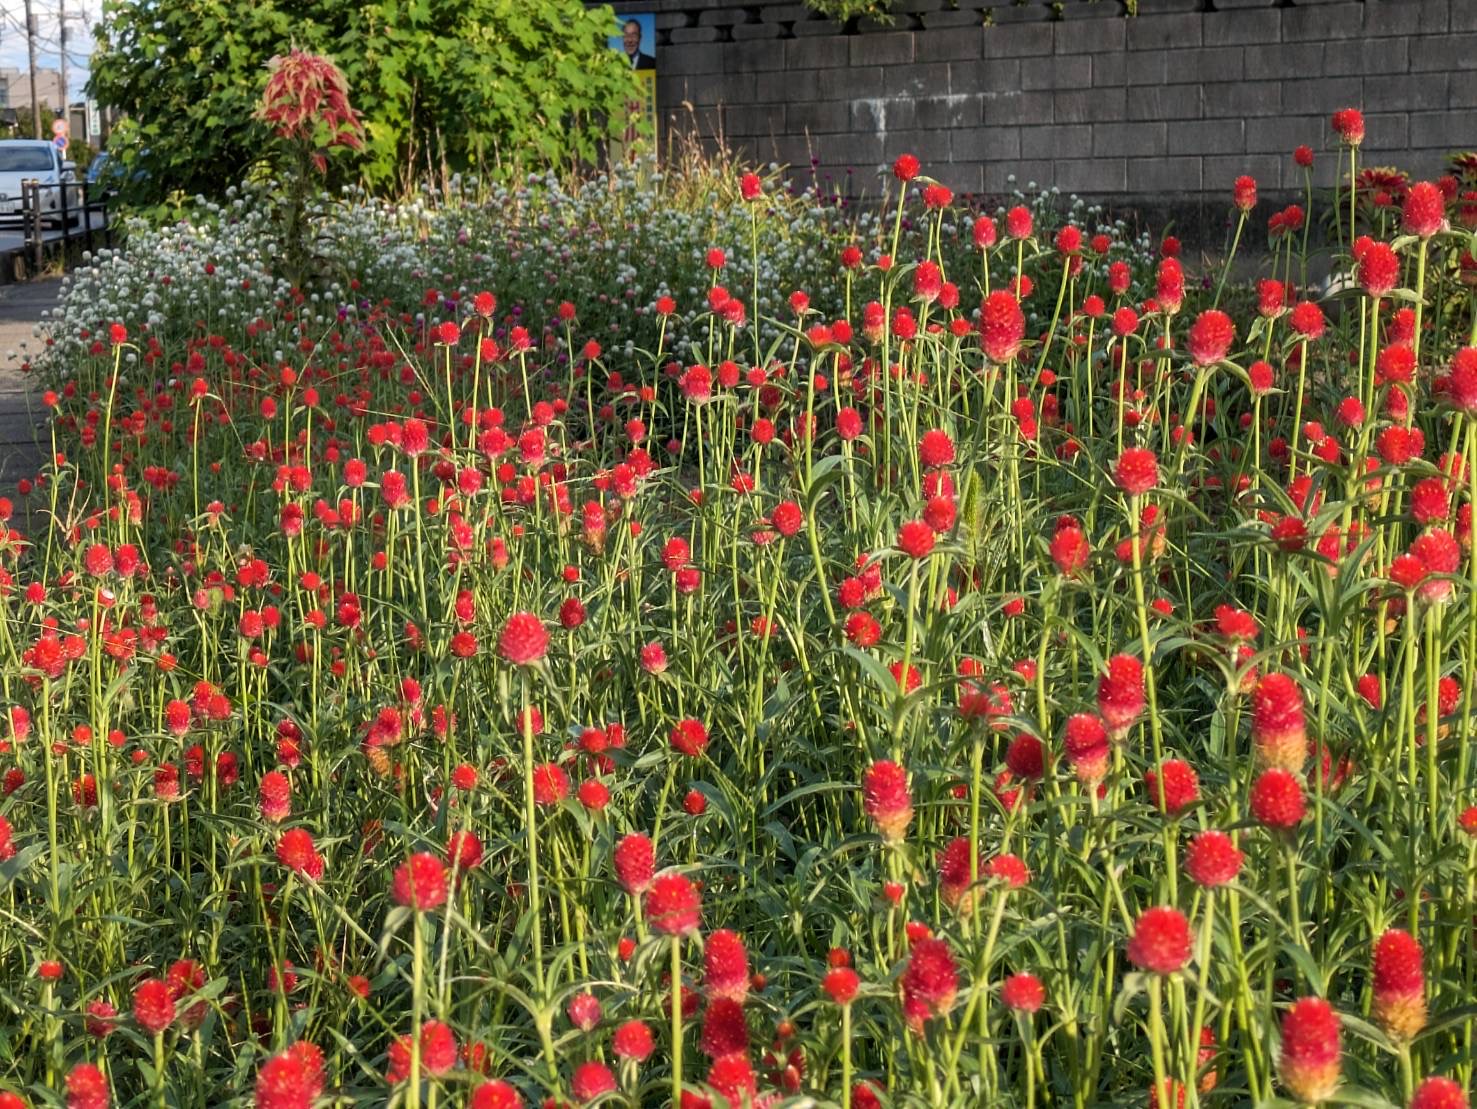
38,160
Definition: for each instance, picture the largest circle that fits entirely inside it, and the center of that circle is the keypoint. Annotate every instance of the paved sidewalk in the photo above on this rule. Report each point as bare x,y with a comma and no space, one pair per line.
21,412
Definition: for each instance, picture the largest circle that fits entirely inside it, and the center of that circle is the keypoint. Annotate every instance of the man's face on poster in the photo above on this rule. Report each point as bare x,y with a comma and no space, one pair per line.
631,37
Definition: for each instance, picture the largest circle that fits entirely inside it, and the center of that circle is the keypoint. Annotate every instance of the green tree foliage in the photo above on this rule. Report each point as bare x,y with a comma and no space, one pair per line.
842,10
441,84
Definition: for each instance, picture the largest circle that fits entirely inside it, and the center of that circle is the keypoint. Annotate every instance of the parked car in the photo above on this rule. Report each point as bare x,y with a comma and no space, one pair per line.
101,169
106,174
36,160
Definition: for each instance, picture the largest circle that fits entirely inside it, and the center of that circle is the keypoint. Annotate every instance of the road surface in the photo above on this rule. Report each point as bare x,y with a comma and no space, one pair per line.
22,427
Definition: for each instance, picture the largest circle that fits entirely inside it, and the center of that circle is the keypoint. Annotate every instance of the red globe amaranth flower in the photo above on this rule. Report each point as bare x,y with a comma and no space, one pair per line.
725,1030
584,1012
1377,267
954,874
1309,1063
496,1094
590,1080
1430,501
1262,379
928,281
931,978
1243,193
725,966
673,906
1461,380
1023,993
635,863
689,737
1070,551
1210,337
1271,297
571,613
524,640
916,538
1171,1097
1437,1092
788,518
1136,471
184,977
87,1088
420,882
1169,284
1439,553
153,1005
1424,213
1399,985
593,794
297,852
550,784
1120,694
291,1080
862,629
1307,320
935,448
1018,222
1212,859
1161,941
887,799
733,1077
1303,157
905,168
438,1052
275,793
1235,624
1278,731
463,850
1348,123
1406,571
939,514
1085,743
633,1040
1179,789
1026,757
1002,326
1277,800
841,985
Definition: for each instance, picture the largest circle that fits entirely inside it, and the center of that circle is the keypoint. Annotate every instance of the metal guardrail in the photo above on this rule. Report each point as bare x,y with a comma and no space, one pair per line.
74,202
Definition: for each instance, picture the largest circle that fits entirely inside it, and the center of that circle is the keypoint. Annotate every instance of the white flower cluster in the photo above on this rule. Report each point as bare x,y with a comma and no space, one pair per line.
611,244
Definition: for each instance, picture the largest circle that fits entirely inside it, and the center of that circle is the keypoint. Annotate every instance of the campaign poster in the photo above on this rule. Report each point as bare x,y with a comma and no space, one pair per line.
636,41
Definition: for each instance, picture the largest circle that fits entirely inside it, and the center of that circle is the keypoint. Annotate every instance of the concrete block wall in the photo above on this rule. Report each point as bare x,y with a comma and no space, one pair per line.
1176,101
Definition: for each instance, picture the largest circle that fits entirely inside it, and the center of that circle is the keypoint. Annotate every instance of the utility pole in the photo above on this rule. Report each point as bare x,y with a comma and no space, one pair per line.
61,31
31,52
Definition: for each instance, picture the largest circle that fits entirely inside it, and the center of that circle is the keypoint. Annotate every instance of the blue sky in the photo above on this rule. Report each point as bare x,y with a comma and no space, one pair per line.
79,44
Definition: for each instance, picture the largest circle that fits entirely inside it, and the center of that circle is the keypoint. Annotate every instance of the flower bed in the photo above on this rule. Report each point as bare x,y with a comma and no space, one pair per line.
656,640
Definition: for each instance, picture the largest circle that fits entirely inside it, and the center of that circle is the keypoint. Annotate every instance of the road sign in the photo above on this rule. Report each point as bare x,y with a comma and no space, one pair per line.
60,142
59,127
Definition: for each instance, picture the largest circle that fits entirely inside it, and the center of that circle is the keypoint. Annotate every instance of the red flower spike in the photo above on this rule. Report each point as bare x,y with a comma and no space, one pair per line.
1309,1065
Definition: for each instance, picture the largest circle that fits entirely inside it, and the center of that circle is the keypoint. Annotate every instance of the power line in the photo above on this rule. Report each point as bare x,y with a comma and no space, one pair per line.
52,45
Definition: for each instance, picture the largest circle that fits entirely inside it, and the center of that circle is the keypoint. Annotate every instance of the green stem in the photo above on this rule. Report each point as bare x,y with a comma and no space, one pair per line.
676,1020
